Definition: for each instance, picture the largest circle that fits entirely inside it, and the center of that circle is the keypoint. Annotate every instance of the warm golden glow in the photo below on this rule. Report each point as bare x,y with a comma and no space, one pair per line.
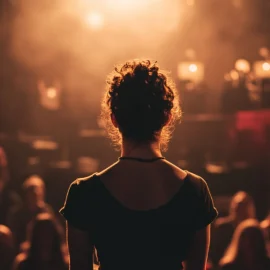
234,75
193,68
125,5
262,69
266,66
81,40
92,31
95,20
192,71
51,92
242,65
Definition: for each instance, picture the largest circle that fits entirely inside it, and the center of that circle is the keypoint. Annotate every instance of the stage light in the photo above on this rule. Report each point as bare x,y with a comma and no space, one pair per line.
262,69
191,71
95,20
51,92
266,66
193,68
242,65
49,95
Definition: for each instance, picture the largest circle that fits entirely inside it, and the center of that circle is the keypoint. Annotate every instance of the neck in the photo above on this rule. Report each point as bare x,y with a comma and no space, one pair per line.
146,150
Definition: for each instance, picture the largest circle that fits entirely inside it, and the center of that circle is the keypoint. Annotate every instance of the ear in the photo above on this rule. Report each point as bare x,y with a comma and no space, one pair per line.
113,119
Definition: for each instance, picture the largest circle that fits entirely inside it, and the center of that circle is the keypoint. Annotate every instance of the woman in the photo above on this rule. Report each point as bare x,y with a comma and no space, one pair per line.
45,249
142,212
34,204
247,250
242,207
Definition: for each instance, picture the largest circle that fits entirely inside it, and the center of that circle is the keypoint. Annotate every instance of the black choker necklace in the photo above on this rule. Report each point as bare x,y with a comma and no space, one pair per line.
142,159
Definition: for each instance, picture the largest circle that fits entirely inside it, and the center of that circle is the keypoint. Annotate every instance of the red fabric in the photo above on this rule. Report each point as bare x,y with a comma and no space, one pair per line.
248,137
255,121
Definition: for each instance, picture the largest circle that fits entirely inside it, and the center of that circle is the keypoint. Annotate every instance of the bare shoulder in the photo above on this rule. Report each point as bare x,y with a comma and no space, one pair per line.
177,171
89,180
195,181
108,171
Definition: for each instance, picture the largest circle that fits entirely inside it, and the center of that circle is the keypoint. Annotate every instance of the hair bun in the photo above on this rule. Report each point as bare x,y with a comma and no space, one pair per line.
141,98
141,73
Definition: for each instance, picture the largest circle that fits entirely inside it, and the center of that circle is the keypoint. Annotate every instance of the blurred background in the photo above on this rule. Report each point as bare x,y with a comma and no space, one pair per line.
54,59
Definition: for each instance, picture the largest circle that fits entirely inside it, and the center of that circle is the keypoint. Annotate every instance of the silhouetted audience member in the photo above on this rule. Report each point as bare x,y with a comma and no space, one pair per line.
34,204
6,248
265,225
247,249
45,246
241,208
8,199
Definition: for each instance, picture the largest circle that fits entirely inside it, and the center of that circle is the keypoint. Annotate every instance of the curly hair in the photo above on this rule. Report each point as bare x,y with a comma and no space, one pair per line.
143,100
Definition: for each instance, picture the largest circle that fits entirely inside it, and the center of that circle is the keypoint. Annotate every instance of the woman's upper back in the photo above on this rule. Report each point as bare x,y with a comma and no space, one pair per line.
144,213
142,185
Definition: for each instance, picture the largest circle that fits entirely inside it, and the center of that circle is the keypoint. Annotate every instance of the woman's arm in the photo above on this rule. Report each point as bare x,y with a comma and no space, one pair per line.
80,249
198,253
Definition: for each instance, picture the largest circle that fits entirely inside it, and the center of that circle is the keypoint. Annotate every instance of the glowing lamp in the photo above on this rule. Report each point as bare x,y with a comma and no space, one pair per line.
262,69
193,71
266,66
49,96
193,68
242,65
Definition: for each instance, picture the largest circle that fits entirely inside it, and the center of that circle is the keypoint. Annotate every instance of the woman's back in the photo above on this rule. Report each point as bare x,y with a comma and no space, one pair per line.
142,214
142,185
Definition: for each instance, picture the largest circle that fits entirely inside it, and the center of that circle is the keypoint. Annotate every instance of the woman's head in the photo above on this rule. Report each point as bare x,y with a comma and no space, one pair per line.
34,190
242,206
45,238
247,245
140,104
